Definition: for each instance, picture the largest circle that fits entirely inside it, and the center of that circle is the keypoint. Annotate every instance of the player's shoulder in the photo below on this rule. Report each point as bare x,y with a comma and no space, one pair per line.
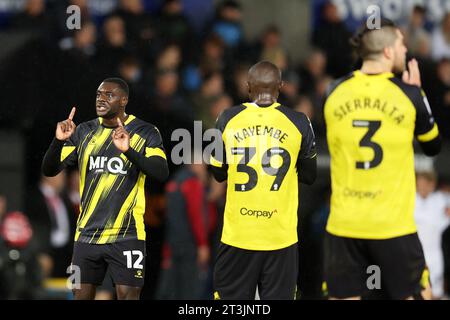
141,126
335,84
228,114
411,91
299,119
89,125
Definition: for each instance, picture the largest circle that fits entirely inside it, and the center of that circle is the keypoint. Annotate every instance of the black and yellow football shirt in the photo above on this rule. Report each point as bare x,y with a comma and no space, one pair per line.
371,122
262,146
111,186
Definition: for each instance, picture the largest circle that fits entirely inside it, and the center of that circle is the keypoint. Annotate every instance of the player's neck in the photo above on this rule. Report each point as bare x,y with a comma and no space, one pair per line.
375,67
264,100
112,123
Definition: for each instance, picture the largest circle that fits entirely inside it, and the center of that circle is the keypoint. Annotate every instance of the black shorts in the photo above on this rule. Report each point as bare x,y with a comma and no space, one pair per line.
238,272
353,265
125,259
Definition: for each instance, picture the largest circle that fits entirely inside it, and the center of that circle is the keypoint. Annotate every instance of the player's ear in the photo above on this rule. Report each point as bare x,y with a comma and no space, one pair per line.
249,89
124,101
388,53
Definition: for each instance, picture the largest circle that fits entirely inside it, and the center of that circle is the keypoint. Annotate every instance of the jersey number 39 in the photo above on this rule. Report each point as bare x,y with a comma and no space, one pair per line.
279,173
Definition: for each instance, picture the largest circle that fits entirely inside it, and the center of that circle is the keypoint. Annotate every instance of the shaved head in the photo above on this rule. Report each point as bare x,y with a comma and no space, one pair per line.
264,82
373,42
384,45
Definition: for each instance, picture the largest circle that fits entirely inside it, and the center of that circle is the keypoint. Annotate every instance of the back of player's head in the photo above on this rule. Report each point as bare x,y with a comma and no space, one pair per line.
264,73
120,83
369,43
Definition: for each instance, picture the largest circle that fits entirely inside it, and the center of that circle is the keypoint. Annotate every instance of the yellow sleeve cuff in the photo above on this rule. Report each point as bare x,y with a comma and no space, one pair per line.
150,152
430,135
214,162
66,151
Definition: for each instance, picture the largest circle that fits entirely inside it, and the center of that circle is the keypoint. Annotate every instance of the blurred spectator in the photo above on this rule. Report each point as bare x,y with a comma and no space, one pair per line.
82,45
169,58
317,97
219,104
212,108
228,23
212,86
432,220
34,17
174,27
169,109
113,47
213,55
20,273
271,48
139,25
53,220
290,89
187,253
440,40
439,96
313,70
416,36
238,86
211,59
131,70
304,104
3,206
332,36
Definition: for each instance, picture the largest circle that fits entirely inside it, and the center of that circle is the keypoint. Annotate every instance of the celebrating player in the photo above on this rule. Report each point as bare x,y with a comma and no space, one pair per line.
115,153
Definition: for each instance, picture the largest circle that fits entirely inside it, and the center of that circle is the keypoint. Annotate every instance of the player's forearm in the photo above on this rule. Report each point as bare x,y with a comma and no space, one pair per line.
307,170
51,164
219,173
155,167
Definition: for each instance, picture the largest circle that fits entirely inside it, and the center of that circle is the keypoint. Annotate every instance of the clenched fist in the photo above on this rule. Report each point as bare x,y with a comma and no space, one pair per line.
66,128
120,137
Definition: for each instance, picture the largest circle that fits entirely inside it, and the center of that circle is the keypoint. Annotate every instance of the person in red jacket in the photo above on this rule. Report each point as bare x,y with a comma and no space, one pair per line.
186,252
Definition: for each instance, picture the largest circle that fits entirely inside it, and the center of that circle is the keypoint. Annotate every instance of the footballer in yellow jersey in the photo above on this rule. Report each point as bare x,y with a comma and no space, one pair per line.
267,149
372,118
115,153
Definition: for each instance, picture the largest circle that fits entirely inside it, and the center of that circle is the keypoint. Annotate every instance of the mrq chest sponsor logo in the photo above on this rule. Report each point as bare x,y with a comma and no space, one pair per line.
258,213
102,164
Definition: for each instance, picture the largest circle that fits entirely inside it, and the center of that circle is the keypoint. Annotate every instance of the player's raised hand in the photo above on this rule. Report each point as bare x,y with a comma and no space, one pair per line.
120,137
66,128
412,75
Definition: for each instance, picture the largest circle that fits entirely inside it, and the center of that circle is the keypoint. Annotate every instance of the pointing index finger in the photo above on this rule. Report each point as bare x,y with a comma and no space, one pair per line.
72,113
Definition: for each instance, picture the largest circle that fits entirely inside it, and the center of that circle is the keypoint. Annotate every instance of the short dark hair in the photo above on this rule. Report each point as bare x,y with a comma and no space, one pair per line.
419,9
369,42
121,83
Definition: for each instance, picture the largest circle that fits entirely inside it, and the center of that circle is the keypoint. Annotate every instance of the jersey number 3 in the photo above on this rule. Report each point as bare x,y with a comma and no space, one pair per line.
248,154
372,126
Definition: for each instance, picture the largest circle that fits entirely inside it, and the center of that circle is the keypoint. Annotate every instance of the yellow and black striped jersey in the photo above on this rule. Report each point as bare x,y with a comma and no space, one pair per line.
262,146
111,186
371,122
